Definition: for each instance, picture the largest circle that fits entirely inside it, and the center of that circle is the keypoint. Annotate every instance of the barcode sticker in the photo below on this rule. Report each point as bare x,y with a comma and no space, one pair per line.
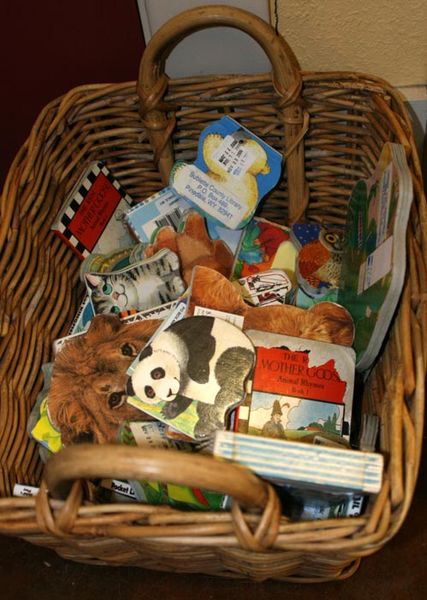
355,506
378,263
384,203
170,219
236,320
234,156
119,487
150,434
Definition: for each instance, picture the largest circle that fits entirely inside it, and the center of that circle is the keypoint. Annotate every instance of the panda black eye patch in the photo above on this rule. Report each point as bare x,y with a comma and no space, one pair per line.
157,373
149,392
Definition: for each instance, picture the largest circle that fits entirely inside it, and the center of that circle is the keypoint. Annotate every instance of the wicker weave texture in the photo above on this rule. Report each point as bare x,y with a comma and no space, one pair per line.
331,127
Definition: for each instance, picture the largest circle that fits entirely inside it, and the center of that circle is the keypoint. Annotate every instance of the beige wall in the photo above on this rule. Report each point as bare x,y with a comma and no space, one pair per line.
387,38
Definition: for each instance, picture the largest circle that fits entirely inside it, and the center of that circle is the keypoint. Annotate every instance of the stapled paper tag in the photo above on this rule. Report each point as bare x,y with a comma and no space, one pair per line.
236,320
25,490
267,287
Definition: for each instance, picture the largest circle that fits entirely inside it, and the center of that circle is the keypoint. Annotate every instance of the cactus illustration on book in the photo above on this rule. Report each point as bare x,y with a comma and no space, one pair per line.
374,259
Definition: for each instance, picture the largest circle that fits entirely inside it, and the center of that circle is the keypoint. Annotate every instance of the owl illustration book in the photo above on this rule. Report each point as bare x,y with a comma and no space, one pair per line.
319,260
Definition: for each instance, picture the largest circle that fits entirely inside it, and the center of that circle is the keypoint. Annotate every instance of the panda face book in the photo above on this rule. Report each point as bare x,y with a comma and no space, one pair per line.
192,374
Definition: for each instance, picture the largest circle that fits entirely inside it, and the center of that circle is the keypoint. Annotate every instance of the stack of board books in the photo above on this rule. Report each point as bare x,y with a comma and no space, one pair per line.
329,469
294,419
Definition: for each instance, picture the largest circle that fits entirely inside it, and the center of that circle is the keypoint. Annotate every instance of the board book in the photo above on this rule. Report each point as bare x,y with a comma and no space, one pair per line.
91,218
306,465
374,259
304,504
232,172
307,383
152,434
264,246
192,374
288,417
318,264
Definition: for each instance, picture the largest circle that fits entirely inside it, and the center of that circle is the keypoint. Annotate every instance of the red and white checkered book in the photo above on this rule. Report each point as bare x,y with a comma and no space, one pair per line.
91,218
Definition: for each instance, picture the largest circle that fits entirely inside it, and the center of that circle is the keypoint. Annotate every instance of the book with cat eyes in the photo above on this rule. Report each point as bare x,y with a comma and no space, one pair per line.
91,218
143,285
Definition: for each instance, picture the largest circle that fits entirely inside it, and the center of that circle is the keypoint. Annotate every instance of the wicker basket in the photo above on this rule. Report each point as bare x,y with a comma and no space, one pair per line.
331,127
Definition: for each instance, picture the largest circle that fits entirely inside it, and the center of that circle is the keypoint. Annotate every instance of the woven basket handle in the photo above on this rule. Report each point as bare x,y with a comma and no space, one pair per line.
152,85
88,461
123,462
